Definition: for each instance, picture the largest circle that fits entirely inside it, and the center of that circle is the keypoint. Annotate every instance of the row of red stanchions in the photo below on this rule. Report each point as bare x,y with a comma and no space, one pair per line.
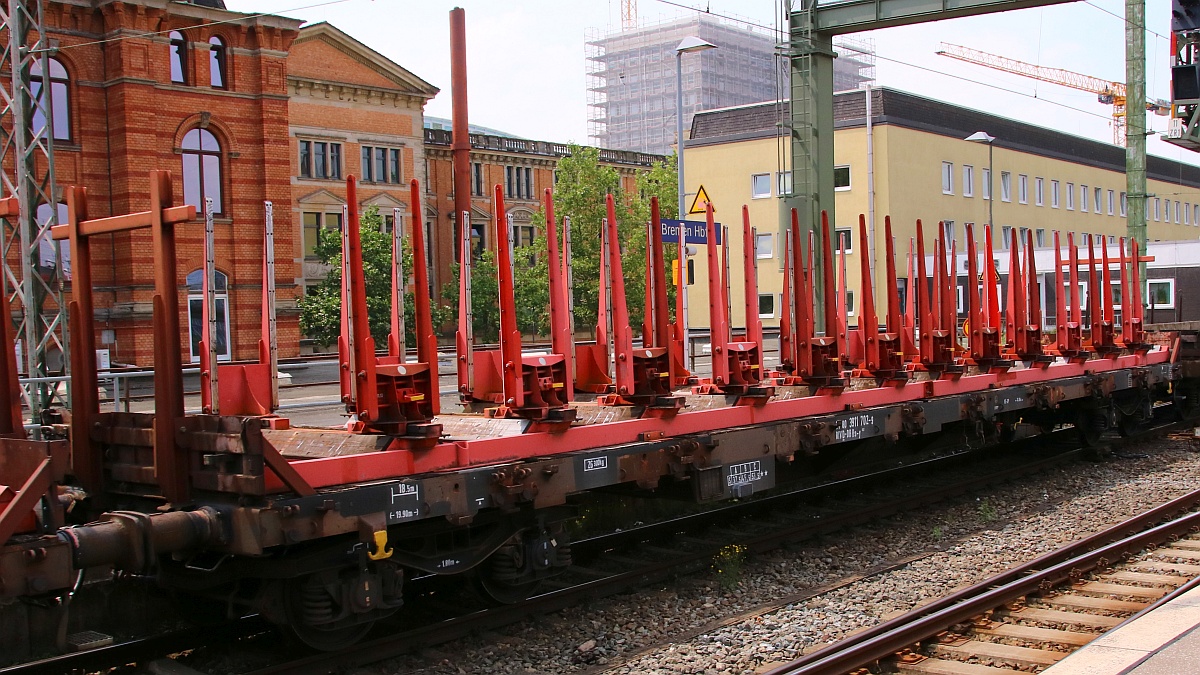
390,396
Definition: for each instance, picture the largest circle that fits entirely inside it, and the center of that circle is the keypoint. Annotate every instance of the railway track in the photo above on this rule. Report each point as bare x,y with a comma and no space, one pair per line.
1033,615
618,562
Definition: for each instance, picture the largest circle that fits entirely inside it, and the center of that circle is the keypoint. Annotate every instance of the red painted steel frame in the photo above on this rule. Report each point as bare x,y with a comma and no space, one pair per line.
562,339
451,455
737,364
11,418
750,276
425,337
390,396
787,337
622,333
170,471
717,321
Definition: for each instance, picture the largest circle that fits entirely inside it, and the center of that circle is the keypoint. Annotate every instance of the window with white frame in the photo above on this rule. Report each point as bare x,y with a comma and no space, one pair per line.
1005,236
968,180
1039,191
760,185
1176,213
985,187
841,178
1082,291
1166,210
1070,196
947,178
1098,193
845,241
784,180
1040,236
1084,198
1195,215
1187,211
1160,293
1005,186
1054,194
1157,210
766,305
1112,202
948,232
1023,189
764,246
849,303
195,305
1124,204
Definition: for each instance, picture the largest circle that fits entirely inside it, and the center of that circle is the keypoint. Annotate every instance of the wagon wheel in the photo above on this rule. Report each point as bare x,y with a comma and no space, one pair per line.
305,600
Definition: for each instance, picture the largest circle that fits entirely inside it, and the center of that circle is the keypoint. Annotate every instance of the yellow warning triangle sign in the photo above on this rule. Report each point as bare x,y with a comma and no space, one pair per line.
699,201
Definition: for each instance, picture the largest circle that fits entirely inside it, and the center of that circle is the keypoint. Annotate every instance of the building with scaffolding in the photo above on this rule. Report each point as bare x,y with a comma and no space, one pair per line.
631,77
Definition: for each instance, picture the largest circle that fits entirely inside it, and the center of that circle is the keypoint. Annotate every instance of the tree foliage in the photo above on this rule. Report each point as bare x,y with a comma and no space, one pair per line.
579,196
320,308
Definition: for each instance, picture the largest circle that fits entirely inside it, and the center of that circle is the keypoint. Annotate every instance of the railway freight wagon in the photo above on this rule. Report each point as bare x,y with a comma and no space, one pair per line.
318,530
1172,276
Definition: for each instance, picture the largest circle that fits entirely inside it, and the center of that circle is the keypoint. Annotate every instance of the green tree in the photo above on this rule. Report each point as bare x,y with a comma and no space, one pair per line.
321,307
579,195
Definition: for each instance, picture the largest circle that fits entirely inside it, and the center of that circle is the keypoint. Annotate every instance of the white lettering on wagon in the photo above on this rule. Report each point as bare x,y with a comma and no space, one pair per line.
853,428
404,491
595,463
747,472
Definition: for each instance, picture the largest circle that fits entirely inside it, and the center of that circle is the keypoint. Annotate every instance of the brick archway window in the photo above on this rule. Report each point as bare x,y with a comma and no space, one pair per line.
178,58
202,170
58,99
195,304
217,61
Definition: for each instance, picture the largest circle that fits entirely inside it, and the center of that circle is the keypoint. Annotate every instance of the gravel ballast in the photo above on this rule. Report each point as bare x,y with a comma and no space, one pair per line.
682,625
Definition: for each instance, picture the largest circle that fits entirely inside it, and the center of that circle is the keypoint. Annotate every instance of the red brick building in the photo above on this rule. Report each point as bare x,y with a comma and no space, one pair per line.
352,111
248,108
147,84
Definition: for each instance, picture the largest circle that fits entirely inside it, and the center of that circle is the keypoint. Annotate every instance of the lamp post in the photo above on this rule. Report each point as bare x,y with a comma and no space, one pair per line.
687,45
983,137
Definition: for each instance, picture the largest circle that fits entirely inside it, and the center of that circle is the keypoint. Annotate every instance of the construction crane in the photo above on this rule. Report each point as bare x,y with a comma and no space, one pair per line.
628,14
1107,92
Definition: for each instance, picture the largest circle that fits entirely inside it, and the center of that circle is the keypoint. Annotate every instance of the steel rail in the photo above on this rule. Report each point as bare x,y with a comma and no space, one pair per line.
438,633
1052,568
461,626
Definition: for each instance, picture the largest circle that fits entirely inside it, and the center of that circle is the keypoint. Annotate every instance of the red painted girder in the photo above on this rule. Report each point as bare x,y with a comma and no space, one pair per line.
333,471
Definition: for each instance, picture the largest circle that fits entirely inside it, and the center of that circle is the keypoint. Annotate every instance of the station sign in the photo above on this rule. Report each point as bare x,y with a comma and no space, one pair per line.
694,231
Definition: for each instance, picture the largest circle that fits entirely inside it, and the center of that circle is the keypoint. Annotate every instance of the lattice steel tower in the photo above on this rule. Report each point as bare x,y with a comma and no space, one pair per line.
32,262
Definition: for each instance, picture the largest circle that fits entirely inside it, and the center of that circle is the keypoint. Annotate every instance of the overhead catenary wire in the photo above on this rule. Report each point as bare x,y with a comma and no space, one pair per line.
927,69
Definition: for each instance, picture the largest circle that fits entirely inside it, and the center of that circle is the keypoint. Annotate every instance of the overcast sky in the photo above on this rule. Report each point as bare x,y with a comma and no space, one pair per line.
526,65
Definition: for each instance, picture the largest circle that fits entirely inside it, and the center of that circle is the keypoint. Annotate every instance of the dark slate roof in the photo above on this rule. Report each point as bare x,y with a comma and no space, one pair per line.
891,106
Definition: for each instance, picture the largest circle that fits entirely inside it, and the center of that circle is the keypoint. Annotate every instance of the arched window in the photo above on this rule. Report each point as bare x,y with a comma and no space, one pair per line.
195,305
51,253
178,58
202,169
58,100
217,62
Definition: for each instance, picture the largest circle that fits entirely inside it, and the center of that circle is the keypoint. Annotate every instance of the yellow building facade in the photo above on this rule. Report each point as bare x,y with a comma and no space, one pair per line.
920,166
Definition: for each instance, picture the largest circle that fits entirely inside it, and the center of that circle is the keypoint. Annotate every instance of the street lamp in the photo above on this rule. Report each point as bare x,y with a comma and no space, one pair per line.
687,45
983,137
